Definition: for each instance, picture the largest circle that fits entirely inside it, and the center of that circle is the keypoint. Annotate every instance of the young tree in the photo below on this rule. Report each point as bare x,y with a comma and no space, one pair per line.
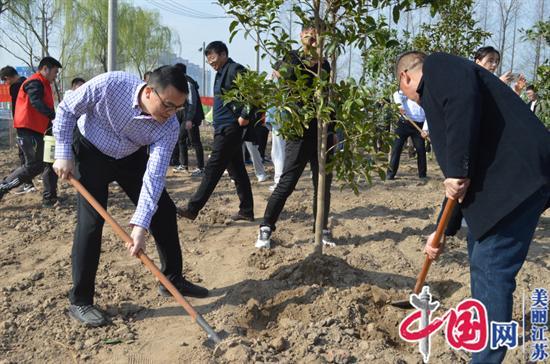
339,25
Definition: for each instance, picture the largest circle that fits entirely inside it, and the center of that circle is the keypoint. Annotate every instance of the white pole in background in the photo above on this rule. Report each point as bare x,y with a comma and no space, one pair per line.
111,36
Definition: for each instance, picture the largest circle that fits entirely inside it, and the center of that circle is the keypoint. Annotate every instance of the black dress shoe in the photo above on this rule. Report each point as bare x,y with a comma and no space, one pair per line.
240,217
186,288
184,212
88,315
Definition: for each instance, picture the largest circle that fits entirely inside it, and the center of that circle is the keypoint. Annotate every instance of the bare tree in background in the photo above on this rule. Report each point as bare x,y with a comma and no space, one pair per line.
507,9
28,26
4,4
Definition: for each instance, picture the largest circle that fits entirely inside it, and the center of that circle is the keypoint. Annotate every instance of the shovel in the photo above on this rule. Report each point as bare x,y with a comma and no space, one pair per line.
415,126
147,262
443,222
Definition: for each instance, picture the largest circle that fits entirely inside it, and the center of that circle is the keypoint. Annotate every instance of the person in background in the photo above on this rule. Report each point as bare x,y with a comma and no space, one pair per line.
33,115
190,119
277,141
251,145
230,125
262,135
489,58
533,100
301,150
75,84
9,76
412,111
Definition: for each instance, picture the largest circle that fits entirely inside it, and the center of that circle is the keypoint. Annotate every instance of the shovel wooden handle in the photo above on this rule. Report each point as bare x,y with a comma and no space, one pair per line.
416,126
145,260
443,222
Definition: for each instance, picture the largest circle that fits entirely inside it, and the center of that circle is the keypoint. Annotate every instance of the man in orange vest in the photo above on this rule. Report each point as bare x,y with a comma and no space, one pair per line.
33,117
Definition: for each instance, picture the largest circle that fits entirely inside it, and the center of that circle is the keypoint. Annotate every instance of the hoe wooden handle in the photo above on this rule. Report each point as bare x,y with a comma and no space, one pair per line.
443,222
145,260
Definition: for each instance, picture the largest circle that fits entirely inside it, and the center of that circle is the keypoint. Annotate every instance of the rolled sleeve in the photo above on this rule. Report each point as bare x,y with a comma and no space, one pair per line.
154,179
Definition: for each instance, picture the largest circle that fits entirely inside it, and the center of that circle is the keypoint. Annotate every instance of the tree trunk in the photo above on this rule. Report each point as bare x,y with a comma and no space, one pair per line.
321,139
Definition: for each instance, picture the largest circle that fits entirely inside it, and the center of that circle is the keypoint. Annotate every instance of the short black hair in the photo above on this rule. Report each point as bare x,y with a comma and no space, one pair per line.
408,61
182,67
49,62
217,47
165,76
77,80
485,51
7,71
531,88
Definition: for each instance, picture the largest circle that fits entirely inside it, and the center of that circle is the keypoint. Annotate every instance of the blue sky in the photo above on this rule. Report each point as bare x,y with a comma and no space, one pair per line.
193,31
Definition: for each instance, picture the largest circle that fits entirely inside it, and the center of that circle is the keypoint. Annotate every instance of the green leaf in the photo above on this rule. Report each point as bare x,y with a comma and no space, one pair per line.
396,13
233,35
233,25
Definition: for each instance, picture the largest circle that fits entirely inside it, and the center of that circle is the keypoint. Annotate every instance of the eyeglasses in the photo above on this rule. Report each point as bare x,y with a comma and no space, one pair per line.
168,106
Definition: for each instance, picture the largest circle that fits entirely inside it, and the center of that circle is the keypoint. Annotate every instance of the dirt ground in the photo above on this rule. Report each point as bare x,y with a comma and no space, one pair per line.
280,305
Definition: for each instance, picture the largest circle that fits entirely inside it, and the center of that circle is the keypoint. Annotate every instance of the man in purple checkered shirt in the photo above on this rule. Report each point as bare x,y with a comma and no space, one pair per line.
116,117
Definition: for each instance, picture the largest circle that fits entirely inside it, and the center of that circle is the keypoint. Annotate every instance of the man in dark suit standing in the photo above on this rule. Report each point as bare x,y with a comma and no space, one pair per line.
495,155
534,102
230,124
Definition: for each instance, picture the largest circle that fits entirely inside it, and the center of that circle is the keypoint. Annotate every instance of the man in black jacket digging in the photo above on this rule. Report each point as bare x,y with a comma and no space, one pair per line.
495,155
230,124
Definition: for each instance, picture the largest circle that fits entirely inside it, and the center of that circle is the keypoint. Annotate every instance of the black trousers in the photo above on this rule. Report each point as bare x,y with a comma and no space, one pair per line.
95,171
297,154
403,131
226,154
190,136
262,134
31,144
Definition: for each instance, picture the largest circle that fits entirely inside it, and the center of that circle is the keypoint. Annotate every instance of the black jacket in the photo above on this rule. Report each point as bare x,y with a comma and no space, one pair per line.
294,65
192,111
14,91
228,75
482,130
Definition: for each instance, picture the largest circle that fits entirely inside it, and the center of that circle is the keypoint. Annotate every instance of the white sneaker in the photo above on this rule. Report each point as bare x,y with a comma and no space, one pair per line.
264,238
25,188
197,172
327,238
180,168
263,178
273,187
